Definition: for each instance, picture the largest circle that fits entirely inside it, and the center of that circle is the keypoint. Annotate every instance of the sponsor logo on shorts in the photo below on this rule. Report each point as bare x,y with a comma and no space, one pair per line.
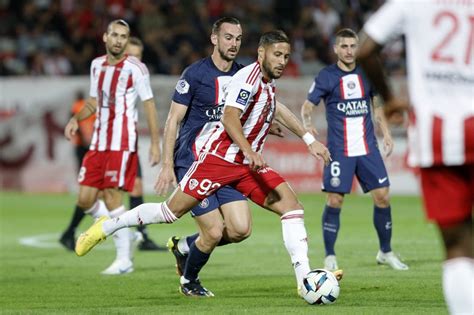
112,175
193,183
182,87
335,182
264,170
204,204
382,180
243,97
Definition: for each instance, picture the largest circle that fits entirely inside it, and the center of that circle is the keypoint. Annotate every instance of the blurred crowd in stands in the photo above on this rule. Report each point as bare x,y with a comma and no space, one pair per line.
61,37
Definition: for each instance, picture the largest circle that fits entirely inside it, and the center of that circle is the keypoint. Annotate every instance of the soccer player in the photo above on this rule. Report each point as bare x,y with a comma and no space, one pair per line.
82,140
232,156
117,80
197,100
348,97
440,56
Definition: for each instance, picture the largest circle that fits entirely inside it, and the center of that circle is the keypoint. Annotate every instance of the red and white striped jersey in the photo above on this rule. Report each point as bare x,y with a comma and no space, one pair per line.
440,56
117,88
249,92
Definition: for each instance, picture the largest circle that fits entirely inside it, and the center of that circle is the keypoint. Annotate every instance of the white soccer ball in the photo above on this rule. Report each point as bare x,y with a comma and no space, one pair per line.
320,286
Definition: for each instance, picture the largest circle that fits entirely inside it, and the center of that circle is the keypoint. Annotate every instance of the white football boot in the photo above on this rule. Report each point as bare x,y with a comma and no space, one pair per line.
119,267
330,263
390,259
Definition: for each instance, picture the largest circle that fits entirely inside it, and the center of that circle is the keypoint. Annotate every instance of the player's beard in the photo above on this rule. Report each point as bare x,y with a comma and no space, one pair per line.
114,53
266,66
224,56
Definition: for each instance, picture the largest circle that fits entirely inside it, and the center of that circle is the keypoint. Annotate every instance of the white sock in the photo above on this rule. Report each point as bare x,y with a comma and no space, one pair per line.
146,213
121,237
296,242
458,285
183,246
98,210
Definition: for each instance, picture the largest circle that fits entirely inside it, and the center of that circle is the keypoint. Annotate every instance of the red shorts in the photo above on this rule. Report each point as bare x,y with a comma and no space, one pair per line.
210,172
109,169
448,193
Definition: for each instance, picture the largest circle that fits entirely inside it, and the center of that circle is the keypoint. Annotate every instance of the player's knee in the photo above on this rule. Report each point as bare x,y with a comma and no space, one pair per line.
238,234
137,189
85,203
382,200
335,200
212,236
458,238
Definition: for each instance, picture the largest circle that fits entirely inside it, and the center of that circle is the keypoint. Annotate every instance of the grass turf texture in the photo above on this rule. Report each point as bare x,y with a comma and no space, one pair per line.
253,277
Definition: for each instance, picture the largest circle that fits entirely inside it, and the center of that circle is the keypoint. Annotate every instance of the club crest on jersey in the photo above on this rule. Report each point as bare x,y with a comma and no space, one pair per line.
193,183
182,87
243,97
351,85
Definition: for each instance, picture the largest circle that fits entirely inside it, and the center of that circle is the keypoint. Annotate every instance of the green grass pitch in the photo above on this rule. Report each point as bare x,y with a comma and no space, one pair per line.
253,277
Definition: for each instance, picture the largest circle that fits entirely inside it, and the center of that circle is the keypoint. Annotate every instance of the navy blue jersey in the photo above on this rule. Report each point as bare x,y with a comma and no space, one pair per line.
347,96
201,88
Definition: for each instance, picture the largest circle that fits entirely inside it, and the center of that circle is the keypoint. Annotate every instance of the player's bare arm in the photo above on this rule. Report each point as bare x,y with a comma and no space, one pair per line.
231,121
152,120
72,126
306,116
368,58
276,130
289,120
381,122
166,177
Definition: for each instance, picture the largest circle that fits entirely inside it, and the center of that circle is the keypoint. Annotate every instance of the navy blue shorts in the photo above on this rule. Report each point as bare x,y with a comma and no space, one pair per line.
369,169
224,195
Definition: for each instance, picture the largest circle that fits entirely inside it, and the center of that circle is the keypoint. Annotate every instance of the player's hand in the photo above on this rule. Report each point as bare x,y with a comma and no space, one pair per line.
256,160
71,128
387,145
320,151
394,111
155,155
166,178
276,130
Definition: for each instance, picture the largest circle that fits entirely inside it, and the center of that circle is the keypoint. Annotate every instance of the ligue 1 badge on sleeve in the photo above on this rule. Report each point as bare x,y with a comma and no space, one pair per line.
243,97
182,87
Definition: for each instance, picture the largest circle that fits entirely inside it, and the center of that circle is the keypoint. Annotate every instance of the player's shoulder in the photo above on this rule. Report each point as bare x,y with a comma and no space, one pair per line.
136,65
327,72
248,74
99,60
197,68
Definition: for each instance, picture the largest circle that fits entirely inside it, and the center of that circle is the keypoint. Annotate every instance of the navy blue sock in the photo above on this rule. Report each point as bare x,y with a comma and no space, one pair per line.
223,242
75,220
383,226
330,228
191,239
196,260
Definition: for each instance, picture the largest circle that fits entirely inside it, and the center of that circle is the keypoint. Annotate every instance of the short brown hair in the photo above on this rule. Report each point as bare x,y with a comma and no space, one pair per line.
346,33
273,37
135,41
217,24
119,22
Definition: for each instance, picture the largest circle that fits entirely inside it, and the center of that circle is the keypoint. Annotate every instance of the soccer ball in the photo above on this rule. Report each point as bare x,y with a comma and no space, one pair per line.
320,286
